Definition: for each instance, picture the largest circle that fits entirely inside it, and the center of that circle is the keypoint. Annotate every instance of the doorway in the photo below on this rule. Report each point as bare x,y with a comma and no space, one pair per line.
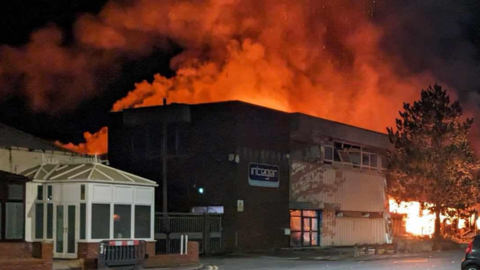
65,244
305,227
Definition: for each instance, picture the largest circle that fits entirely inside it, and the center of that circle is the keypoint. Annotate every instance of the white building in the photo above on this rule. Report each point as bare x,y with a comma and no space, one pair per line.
20,151
79,205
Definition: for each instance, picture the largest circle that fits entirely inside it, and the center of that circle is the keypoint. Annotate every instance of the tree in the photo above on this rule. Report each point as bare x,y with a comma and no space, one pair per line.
432,161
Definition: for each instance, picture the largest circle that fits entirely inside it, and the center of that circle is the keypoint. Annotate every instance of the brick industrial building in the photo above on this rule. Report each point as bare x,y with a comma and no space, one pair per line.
280,179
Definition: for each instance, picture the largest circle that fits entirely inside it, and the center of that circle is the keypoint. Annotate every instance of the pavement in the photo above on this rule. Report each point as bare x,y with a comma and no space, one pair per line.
447,260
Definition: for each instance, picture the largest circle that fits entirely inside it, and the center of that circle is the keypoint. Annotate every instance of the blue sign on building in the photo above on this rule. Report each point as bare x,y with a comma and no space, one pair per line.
263,175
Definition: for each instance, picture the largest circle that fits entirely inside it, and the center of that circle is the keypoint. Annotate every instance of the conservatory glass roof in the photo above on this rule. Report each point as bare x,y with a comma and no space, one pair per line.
90,172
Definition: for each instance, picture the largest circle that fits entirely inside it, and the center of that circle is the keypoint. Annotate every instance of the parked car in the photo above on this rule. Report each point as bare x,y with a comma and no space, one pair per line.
472,256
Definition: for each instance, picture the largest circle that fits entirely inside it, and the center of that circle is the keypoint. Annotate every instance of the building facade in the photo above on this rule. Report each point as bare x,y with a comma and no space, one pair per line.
20,151
280,179
337,174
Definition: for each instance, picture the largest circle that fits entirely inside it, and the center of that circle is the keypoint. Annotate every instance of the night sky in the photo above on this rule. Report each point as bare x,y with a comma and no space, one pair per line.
442,37
17,20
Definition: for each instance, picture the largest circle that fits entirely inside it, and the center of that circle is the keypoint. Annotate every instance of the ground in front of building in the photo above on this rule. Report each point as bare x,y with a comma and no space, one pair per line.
449,260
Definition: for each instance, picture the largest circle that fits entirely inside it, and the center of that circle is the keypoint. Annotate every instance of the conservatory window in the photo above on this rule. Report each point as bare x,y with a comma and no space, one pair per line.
122,221
40,193
49,193
49,221
39,208
100,221
83,225
14,226
12,211
142,221
82,192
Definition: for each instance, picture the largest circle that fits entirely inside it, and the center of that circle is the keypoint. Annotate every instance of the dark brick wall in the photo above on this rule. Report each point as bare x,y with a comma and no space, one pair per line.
255,134
20,256
175,260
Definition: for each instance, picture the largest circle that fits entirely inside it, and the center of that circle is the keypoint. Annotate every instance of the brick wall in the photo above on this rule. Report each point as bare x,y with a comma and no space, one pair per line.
151,249
172,260
19,256
89,253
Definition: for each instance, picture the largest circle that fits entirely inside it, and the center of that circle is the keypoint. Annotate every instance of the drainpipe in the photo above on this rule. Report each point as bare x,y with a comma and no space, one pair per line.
164,178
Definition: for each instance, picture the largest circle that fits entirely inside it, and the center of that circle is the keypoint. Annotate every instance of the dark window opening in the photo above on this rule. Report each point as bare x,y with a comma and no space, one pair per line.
12,211
39,208
142,221
328,157
49,221
82,192
49,193
40,193
83,220
100,221
122,215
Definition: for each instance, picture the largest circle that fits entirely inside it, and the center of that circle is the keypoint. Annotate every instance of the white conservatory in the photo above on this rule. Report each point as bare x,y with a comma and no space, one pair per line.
84,203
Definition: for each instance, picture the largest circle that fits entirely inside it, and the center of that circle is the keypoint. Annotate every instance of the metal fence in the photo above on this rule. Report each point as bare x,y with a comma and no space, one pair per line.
121,254
206,229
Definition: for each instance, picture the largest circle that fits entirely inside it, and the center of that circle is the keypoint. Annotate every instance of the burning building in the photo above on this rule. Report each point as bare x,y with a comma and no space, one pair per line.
279,179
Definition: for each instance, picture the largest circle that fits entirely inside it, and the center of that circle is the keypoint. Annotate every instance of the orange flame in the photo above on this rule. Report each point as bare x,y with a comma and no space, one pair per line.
421,222
95,144
322,58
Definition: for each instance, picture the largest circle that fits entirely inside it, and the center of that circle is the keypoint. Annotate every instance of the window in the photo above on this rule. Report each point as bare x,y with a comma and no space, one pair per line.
373,161
355,157
49,221
49,193
366,160
100,221
304,228
122,220
15,192
40,193
12,210
142,221
82,192
328,156
39,210
14,227
83,220
384,162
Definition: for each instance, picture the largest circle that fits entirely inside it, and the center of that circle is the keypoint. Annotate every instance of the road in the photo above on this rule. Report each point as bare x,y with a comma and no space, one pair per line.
437,261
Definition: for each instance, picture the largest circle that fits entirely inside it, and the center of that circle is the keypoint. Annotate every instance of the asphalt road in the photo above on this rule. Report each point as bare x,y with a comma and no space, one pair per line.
435,261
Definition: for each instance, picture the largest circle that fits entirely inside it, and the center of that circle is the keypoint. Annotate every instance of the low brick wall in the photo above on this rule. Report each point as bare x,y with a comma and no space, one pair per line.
172,260
19,256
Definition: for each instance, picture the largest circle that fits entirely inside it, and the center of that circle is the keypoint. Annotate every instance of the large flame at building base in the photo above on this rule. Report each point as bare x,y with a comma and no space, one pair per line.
421,222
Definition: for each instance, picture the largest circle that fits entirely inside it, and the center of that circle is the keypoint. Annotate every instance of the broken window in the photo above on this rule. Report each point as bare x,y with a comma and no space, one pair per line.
345,157
328,155
355,157
373,161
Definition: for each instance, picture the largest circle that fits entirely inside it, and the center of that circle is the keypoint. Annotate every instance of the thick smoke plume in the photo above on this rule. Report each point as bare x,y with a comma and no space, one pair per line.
348,61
